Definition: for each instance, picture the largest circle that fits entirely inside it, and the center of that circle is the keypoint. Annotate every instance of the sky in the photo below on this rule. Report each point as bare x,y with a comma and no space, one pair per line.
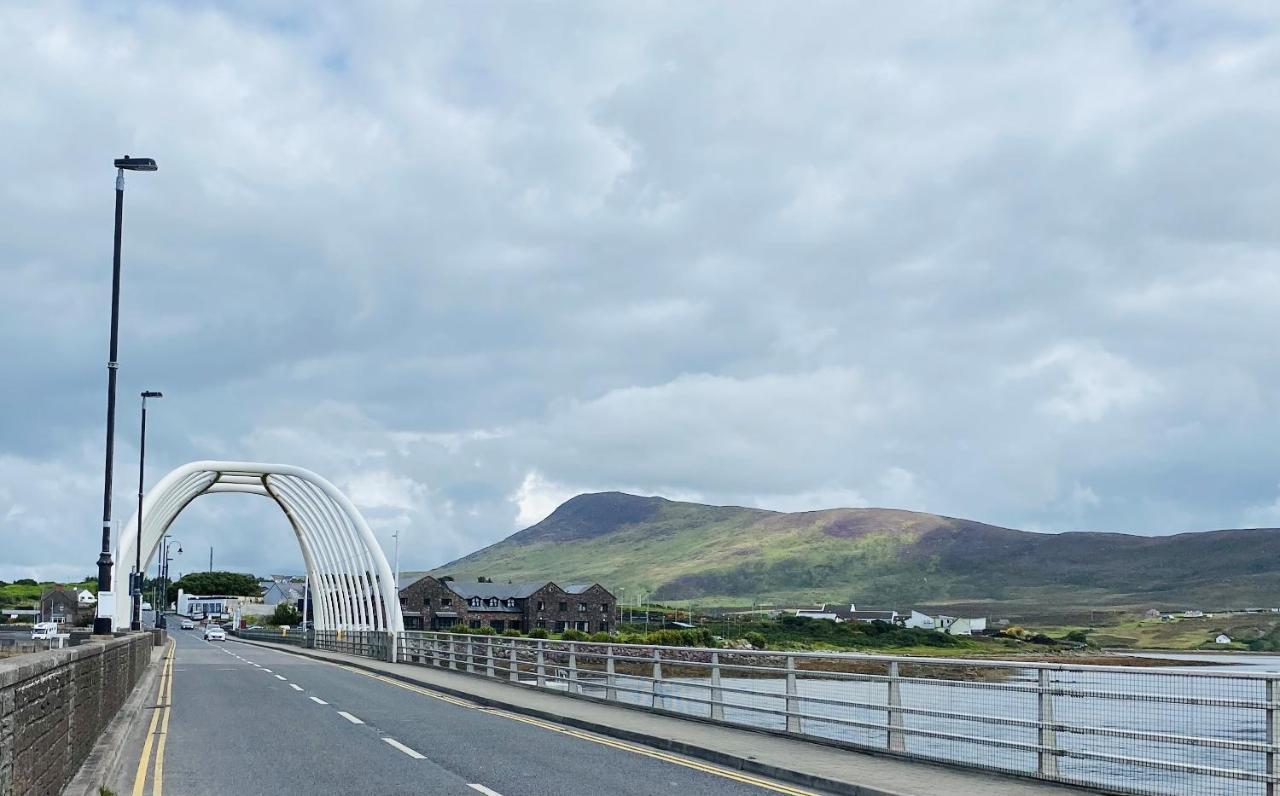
1013,262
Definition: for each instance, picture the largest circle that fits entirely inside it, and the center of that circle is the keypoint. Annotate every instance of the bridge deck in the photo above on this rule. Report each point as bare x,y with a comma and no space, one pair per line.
828,768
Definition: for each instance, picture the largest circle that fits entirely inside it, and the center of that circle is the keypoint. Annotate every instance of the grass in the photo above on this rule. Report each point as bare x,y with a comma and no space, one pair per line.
19,595
1132,632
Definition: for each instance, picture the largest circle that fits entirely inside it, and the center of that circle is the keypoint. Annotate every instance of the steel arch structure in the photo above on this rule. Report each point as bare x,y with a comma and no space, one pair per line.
352,584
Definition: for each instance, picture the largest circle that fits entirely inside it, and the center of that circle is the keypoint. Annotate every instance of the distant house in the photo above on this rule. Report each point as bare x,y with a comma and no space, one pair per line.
919,620
60,605
818,613
854,615
281,591
951,625
431,604
86,598
1152,613
1222,638
1193,614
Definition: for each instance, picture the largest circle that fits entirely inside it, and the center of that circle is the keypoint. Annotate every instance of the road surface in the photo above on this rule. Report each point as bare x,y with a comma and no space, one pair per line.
247,720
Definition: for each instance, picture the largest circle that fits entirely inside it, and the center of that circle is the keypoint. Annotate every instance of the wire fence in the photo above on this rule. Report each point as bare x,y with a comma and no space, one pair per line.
1127,730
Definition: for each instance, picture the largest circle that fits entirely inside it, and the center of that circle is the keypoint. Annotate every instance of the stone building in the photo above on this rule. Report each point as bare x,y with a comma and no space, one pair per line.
431,604
60,605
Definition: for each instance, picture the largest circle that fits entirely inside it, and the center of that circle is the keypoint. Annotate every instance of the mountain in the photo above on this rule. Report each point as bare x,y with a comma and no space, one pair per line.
729,555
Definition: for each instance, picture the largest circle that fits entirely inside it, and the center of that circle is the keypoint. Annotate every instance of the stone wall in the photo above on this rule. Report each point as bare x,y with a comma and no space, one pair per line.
55,704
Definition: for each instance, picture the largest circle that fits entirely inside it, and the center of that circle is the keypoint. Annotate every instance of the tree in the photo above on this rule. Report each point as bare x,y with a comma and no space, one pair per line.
230,584
25,582
285,614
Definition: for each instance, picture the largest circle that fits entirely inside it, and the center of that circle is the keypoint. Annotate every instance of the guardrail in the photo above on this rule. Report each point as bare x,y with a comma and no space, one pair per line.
1120,729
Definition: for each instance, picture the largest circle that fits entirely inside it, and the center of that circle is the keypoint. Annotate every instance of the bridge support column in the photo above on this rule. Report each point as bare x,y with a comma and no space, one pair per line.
611,679
897,741
1048,736
793,704
717,695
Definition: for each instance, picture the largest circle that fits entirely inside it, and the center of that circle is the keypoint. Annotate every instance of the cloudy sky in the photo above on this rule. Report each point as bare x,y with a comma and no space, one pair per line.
1015,261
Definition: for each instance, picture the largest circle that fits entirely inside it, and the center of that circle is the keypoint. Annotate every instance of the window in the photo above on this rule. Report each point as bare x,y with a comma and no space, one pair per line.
474,602
446,602
564,606
511,603
541,606
492,602
582,608
474,623
542,623
426,602
604,608
404,602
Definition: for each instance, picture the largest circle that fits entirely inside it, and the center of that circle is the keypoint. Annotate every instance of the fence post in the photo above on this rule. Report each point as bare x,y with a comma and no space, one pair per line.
393,649
513,664
471,655
542,664
1048,737
573,669
610,680
717,696
793,704
897,739
657,678
488,656
453,653
1273,735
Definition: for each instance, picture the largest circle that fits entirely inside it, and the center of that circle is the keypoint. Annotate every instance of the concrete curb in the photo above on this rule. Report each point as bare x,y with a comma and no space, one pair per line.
102,766
665,744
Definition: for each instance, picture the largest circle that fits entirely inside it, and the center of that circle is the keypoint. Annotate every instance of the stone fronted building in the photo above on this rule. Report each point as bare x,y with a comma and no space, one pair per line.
60,605
432,604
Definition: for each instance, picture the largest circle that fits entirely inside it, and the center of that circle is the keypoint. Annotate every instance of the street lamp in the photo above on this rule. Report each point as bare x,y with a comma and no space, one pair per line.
102,625
136,624
164,578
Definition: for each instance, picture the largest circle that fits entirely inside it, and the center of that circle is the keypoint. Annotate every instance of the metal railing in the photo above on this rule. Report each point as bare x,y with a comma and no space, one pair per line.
1128,730
293,636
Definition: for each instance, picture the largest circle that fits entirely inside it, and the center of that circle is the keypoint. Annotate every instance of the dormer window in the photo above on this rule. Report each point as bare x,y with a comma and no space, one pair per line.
511,603
474,602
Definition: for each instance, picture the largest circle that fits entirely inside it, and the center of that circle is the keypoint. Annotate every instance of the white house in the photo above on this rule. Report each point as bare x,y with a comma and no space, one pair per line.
919,620
1222,638
818,613
951,625
86,597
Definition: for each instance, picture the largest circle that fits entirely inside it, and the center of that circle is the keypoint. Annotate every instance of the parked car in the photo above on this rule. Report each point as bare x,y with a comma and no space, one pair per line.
214,633
187,624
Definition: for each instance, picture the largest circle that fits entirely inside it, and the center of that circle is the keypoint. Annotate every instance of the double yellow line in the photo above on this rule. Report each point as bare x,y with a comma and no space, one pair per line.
159,719
706,768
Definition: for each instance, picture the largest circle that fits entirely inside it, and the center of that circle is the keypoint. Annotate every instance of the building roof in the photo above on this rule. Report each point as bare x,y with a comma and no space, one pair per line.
500,590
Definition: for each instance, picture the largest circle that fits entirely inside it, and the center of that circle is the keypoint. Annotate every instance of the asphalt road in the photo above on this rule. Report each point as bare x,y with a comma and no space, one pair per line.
250,720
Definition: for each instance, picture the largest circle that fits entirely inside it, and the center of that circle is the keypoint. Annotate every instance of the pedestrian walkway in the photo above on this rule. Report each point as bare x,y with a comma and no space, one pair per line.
814,765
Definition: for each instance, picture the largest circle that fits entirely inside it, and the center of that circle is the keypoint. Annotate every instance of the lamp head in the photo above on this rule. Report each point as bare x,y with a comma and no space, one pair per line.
152,394
135,164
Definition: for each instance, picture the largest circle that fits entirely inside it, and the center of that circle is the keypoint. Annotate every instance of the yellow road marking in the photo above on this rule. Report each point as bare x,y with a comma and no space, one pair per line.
166,672
158,775
621,745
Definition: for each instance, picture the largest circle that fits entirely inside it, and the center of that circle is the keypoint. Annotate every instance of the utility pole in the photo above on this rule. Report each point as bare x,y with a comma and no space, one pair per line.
210,558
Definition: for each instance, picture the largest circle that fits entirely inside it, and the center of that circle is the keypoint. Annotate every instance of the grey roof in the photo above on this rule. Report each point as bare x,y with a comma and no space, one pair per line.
578,588
500,590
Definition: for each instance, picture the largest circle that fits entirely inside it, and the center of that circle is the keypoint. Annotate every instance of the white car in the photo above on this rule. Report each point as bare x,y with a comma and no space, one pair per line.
214,633
187,624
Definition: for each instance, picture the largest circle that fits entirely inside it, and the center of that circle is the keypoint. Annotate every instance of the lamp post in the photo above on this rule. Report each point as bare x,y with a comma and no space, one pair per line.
136,624
164,578
396,536
102,625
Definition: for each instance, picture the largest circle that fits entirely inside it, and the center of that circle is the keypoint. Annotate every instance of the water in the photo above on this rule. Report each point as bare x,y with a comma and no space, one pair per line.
1004,711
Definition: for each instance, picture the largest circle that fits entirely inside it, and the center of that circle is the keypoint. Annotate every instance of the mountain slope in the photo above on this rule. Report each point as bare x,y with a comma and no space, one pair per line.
735,556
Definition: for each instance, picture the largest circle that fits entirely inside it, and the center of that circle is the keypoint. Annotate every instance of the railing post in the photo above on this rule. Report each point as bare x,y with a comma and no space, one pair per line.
717,696
488,656
453,653
897,739
573,669
657,678
793,704
542,664
611,679
513,664
1273,735
471,655
1048,737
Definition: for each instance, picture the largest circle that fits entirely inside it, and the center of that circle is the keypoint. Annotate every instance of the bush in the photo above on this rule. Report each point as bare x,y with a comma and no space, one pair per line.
601,637
692,637
484,630
285,614
458,629
538,632
513,633
1077,636
573,635
25,582
756,639
632,638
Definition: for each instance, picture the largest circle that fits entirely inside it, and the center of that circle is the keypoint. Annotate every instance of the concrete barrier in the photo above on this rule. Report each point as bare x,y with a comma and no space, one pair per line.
55,704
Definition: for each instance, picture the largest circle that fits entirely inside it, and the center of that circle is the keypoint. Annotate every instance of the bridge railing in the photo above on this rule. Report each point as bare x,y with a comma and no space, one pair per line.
1117,729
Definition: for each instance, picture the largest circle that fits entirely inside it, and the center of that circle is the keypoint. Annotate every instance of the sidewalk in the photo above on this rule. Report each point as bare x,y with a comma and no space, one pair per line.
810,764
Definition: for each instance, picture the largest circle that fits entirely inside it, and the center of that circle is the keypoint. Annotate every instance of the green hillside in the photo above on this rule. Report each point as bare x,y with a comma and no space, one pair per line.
724,555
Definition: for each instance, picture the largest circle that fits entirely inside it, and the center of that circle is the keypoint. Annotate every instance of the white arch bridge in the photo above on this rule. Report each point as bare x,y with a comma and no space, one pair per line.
352,585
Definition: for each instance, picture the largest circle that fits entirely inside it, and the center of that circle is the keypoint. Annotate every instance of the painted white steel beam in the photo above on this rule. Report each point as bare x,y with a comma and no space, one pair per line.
352,584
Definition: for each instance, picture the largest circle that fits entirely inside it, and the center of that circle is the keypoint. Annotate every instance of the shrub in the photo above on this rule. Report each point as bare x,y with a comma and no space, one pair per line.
573,635
756,639
601,637
285,614
458,629
538,632
1078,636
484,630
632,638
693,637
513,633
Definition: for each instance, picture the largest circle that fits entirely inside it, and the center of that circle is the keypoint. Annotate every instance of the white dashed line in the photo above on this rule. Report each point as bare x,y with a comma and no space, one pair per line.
483,789
265,669
318,701
349,717
278,677
405,749
295,686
